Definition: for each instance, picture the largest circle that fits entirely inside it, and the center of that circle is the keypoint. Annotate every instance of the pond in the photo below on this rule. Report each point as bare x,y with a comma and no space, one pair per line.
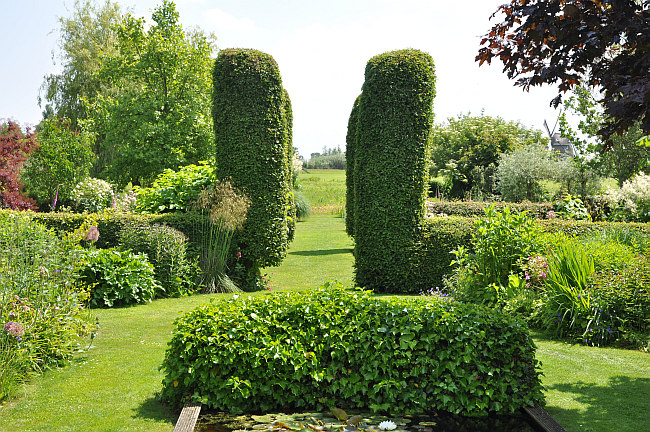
362,422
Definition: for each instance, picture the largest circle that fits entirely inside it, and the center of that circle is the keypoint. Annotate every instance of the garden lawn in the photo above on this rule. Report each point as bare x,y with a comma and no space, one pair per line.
113,386
324,189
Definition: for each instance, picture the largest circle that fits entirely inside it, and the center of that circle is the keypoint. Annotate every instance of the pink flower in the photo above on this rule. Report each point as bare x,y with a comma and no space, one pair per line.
238,255
92,234
14,328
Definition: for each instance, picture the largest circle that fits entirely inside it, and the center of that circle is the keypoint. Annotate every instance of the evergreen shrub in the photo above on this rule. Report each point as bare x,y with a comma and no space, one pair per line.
538,210
351,142
331,347
166,249
390,167
250,121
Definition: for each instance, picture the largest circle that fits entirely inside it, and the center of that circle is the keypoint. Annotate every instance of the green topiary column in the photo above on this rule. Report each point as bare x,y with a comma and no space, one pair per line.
250,122
390,182
291,204
351,143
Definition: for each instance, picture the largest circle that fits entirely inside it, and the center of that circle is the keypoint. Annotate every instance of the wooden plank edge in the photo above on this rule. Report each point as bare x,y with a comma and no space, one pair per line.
543,419
188,417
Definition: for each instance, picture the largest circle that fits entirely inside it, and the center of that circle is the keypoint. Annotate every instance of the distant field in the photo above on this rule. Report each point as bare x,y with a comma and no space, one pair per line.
324,189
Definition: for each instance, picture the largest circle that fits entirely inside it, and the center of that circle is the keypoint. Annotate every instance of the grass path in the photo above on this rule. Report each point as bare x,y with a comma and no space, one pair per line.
113,386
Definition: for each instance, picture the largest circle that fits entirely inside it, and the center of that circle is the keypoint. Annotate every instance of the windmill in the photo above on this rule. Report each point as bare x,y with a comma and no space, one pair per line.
559,144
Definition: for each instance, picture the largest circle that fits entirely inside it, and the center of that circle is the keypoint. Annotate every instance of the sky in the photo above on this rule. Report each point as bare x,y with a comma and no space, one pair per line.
321,48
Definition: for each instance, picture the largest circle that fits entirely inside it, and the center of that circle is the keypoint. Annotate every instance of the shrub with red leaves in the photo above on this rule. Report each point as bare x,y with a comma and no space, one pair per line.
15,148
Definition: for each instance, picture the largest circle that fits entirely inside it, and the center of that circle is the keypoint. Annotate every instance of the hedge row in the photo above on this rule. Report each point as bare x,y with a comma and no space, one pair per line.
440,235
331,347
475,208
110,224
395,119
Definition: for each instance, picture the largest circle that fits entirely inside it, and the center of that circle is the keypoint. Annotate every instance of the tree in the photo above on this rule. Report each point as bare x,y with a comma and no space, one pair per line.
466,151
625,157
15,148
602,44
62,160
86,37
154,110
519,173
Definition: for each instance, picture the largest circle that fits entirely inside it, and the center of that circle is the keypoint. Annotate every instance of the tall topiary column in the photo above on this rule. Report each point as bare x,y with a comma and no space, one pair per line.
291,203
250,122
390,181
350,145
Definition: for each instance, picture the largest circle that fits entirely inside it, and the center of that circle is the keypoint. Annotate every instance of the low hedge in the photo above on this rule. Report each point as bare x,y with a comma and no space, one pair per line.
110,224
334,348
441,235
475,208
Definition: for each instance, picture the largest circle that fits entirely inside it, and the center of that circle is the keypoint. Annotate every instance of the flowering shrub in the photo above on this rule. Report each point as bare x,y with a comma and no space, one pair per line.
42,317
632,201
92,195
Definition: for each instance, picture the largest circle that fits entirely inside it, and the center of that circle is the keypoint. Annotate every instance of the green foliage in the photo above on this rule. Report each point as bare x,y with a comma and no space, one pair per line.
500,241
166,249
86,37
175,190
625,157
92,195
539,210
433,253
332,158
350,147
332,347
466,151
249,108
519,172
153,111
62,160
571,207
118,278
39,292
325,190
390,156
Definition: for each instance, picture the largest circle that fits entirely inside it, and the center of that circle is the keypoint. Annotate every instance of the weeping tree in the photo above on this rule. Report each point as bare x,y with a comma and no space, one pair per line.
390,161
251,114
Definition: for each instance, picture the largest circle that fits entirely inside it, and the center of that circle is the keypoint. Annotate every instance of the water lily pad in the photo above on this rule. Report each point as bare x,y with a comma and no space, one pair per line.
268,418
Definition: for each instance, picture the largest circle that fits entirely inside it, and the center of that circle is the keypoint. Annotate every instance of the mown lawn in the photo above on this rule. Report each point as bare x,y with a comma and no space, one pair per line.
113,386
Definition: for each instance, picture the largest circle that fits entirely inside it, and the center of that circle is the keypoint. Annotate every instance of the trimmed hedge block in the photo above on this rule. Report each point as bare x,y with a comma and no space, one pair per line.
476,208
252,115
332,347
390,159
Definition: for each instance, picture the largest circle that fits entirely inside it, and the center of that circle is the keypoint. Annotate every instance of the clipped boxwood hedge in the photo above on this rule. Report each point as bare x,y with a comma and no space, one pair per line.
476,208
334,348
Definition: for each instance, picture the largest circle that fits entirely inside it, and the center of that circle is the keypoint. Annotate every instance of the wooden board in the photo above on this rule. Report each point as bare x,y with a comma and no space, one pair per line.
543,419
188,417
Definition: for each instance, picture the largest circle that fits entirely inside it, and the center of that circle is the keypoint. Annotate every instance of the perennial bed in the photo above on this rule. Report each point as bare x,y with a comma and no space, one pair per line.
331,347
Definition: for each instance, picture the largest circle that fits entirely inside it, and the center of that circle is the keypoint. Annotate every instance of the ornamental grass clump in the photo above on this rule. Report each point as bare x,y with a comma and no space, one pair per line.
223,211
